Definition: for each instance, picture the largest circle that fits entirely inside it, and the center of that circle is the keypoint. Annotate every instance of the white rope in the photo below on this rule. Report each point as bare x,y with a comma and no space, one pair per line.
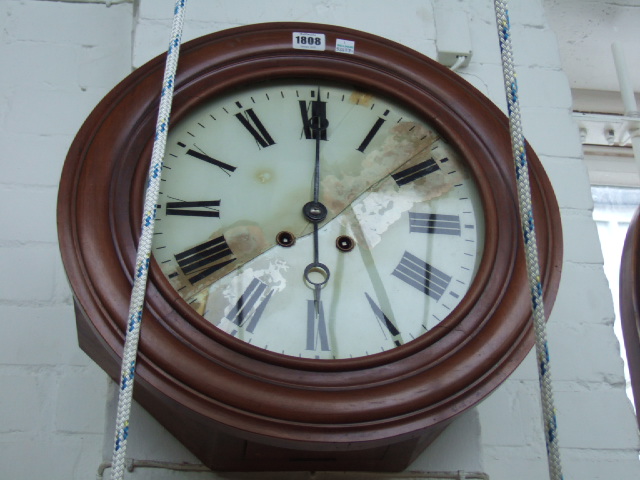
531,249
144,249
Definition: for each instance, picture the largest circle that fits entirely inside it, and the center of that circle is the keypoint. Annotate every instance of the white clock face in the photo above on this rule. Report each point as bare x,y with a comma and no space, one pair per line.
232,238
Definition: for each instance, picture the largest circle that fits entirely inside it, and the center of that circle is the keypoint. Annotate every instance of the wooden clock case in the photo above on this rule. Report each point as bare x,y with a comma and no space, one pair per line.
237,407
630,305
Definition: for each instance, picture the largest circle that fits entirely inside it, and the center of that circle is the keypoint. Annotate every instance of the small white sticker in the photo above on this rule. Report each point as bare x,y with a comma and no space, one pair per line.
345,46
309,41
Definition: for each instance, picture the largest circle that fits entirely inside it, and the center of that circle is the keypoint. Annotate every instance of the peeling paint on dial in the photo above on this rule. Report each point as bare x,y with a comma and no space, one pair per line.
255,290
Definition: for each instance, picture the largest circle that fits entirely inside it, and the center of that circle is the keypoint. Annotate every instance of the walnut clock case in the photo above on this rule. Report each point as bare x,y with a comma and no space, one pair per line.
337,267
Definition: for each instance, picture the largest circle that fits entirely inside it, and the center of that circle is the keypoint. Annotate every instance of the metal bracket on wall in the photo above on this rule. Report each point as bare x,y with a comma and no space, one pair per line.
453,39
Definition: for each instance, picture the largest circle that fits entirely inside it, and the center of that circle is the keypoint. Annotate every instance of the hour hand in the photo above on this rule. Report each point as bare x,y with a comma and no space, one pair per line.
317,275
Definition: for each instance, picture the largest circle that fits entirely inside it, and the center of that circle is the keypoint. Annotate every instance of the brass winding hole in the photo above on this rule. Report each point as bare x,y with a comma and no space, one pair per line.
285,239
345,243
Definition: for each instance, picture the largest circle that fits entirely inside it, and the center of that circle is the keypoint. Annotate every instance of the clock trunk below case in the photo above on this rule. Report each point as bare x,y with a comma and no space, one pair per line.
222,451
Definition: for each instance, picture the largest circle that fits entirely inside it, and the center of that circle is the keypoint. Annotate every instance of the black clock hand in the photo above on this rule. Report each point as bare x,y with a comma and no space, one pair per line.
319,123
316,273
315,211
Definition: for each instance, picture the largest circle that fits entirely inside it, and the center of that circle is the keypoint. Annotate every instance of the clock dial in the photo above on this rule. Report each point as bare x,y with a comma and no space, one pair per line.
239,171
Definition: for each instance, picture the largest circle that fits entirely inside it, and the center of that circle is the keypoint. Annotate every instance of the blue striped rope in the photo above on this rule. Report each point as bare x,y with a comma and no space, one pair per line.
127,375
529,237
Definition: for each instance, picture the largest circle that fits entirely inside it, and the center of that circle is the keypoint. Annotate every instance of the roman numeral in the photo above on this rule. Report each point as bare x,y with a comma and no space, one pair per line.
208,159
318,114
249,308
434,223
417,171
204,259
372,133
257,130
384,321
317,336
422,276
200,208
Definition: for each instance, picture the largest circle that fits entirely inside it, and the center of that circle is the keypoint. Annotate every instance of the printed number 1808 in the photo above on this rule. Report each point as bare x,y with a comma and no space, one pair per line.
308,41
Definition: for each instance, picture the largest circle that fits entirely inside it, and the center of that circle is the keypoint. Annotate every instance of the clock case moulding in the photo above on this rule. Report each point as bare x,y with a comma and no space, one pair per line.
238,407
630,305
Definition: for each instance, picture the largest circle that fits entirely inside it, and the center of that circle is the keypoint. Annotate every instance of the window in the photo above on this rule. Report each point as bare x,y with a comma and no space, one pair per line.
613,209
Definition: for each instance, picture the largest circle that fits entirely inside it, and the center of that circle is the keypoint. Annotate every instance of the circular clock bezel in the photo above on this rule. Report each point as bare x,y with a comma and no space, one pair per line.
362,401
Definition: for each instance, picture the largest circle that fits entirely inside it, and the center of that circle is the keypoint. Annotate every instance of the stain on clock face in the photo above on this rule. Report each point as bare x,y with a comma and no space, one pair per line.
323,164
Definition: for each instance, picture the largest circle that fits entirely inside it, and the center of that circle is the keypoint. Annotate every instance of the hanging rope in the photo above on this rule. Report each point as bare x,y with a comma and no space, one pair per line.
144,249
531,248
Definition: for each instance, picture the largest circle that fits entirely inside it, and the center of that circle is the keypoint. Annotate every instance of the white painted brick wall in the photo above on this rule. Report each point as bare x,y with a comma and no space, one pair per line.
59,58
510,441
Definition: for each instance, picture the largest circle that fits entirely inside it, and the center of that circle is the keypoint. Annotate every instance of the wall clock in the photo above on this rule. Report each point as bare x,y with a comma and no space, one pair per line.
337,266
630,305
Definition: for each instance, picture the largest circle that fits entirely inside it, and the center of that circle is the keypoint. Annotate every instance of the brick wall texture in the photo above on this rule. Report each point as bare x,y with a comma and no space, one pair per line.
59,58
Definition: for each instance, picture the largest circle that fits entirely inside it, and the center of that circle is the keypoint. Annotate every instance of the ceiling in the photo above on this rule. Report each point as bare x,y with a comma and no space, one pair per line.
586,30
